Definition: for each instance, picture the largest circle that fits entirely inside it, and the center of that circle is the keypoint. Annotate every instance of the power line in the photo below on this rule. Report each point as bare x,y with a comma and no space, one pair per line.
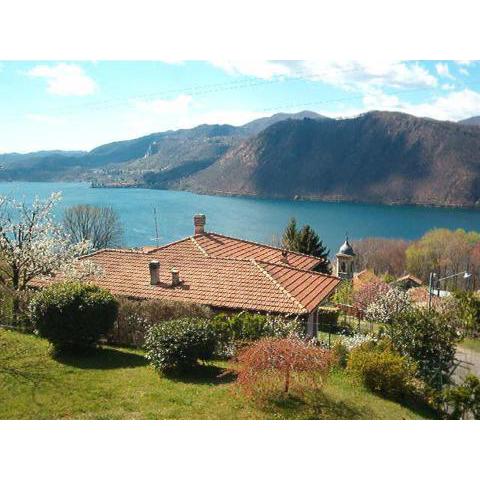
249,83
206,89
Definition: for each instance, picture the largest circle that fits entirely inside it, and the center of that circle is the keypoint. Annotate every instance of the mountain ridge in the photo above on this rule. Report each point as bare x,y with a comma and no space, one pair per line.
376,157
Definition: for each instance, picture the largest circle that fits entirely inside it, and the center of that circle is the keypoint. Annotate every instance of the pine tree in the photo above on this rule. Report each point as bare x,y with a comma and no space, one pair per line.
290,236
307,241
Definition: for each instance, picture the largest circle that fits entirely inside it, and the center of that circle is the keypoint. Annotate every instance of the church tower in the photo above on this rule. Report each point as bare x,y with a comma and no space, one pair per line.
345,261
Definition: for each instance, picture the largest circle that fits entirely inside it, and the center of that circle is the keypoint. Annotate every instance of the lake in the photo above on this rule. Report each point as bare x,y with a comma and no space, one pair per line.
248,218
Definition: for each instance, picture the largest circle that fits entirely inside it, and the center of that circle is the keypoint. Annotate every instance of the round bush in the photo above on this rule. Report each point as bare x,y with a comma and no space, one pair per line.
73,315
179,344
381,369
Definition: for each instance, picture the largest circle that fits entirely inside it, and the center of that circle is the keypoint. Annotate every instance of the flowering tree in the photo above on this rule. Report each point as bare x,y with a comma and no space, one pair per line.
387,306
368,293
33,245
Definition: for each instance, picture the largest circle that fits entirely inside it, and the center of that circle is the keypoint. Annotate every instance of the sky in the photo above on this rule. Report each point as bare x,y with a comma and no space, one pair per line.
72,105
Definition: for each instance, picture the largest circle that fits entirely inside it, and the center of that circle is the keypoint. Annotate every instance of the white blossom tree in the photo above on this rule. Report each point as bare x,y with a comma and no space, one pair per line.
387,306
33,245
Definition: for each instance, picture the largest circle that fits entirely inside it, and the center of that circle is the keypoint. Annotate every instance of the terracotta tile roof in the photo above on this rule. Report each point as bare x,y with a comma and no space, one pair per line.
208,276
363,277
408,277
221,246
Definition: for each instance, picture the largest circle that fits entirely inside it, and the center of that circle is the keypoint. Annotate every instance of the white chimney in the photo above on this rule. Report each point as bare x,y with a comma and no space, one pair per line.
199,223
175,277
154,267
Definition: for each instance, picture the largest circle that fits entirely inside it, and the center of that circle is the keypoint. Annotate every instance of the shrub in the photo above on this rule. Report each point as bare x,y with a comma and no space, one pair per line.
271,366
245,327
343,294
73,315
343,346
180,343
14,309
381,369
465,307
464,399
135,317
340,352
429,338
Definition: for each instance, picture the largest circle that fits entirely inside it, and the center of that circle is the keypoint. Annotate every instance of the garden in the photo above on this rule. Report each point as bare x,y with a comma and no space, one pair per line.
185,361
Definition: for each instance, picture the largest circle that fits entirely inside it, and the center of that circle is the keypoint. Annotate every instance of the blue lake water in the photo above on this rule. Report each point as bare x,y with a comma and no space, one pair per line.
249,218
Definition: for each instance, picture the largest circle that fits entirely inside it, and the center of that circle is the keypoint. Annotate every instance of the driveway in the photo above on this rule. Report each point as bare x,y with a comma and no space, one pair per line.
469,362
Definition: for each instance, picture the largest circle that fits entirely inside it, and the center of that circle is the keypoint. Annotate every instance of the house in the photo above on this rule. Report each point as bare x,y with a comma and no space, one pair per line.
362,278
219,271
407,282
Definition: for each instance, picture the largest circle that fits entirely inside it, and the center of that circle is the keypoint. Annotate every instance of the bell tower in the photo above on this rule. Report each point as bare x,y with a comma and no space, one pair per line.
345,260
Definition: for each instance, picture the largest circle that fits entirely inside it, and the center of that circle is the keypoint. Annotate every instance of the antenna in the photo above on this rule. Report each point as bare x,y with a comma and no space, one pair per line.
156,225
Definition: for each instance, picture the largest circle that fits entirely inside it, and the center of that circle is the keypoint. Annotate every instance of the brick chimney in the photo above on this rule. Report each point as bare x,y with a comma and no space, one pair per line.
199,223
154,267
175,277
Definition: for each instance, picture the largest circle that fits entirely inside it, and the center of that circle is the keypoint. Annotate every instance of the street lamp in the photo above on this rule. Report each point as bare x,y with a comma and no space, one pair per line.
433,278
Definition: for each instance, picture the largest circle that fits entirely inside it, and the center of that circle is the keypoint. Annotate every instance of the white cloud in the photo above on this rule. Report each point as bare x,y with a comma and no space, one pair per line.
231,117
264,69
452,106
180,112
448,86
464,71
65,79
179,104
364,75
443,71
351,75
45,119
378,100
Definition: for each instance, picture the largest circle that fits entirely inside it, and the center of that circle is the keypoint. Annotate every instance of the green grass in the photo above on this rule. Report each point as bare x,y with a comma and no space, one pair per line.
118,383
471,344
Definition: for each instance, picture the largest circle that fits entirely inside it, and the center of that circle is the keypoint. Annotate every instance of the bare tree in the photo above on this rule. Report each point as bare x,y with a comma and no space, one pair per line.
382,255
99,225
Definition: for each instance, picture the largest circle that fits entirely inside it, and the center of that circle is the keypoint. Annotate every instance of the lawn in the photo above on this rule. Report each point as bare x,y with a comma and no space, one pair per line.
118,383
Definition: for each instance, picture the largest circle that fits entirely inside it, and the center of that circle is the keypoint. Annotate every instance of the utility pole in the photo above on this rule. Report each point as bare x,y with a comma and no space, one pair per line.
156,225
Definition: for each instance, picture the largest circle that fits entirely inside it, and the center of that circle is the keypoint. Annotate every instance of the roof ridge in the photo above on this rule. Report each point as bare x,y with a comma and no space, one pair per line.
320,274
121,250
279,285
161,247
261,245
200,247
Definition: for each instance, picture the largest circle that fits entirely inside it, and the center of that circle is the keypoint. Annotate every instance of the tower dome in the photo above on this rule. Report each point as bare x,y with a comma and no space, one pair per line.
346,248
345,260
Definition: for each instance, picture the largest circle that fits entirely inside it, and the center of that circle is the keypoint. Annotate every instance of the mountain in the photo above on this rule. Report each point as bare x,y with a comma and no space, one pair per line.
382,157
256,126
471,121
150,159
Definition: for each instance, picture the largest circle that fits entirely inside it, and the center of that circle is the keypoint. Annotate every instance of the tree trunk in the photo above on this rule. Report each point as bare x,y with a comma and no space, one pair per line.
15,302
287,379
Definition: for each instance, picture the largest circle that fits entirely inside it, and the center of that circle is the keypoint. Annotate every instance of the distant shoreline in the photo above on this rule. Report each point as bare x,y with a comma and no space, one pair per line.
299,198
296,198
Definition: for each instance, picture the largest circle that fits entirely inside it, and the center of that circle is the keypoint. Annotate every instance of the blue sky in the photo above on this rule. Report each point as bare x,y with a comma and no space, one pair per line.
80,105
